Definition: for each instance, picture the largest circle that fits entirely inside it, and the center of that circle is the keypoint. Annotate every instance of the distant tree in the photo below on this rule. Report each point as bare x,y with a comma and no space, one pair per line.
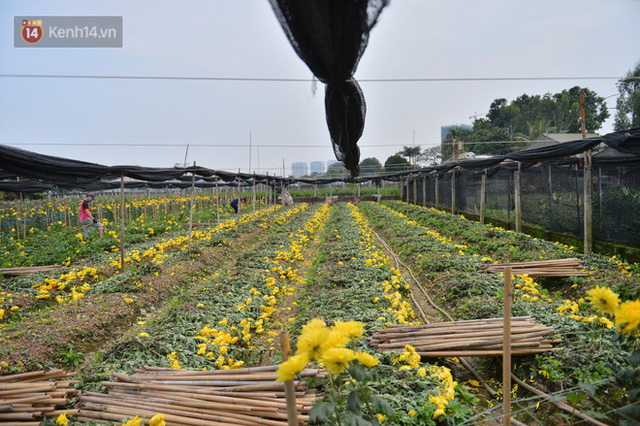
411,152
370,166
431,156
628,114
396,163
568,106
336,170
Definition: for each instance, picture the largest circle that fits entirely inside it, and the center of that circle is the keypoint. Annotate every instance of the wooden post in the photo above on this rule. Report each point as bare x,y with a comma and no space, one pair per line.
253,200
415,190
550,200
483,196
315,190
453,192
506,349
599,199
424,190
437,191
517,195
289,388
122,207
588,203
191,205
402,188
217,204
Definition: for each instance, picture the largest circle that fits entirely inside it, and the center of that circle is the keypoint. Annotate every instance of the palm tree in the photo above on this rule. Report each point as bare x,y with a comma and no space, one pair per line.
411,152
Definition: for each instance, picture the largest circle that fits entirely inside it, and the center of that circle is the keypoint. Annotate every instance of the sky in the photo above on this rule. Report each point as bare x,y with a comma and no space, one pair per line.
256,126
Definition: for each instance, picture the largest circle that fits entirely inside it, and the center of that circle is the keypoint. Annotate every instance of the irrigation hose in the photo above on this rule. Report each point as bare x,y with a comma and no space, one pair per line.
463,360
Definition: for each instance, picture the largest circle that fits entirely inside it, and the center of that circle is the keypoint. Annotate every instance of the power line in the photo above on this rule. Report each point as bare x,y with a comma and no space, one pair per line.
177,145
309,80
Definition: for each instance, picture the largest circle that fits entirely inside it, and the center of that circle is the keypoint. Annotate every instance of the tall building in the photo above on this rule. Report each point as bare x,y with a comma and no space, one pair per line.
317,167
299,169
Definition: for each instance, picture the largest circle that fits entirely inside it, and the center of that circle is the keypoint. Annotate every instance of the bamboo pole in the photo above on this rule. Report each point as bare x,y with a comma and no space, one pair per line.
506,347
453,191
292,413
588,203
483,196
437,191
517,196
122,207
191,205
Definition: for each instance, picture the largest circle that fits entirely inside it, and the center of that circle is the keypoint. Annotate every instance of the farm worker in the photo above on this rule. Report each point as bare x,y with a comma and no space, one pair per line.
237,204
86,218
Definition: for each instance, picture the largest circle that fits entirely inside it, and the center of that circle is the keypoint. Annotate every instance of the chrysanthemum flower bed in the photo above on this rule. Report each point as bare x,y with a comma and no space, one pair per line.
353,281
591,352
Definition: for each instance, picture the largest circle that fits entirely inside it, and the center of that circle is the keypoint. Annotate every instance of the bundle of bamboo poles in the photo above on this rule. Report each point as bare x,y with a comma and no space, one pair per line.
245,396
466,338
26,270
545,268
27,397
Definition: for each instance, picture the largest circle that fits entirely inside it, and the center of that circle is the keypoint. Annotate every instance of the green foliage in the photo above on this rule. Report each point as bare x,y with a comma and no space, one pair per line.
396,163
628,104
70,357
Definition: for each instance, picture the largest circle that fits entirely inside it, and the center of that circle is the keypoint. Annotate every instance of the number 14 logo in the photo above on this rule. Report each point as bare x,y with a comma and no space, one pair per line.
31,31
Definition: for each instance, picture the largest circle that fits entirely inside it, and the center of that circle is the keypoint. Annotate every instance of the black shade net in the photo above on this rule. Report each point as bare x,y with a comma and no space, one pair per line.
330,36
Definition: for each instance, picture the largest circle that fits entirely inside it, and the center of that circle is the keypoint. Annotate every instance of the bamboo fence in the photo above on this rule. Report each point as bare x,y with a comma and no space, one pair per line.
544,268
244,396
27,398
467,338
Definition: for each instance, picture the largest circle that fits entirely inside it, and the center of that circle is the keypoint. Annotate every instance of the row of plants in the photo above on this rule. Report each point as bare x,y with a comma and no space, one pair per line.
351,291
46,303
447,251
60,240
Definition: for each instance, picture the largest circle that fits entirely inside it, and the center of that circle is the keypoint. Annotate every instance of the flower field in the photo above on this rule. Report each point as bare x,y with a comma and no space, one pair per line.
220,299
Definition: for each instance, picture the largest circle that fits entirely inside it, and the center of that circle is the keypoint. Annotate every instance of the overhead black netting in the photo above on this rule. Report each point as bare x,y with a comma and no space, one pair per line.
330,36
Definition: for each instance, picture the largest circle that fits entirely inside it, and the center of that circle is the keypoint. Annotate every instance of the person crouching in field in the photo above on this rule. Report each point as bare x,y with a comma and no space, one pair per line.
237,203
86,218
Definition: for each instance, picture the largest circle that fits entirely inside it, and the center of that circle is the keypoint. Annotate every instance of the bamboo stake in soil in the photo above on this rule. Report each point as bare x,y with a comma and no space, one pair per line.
506,349
292,412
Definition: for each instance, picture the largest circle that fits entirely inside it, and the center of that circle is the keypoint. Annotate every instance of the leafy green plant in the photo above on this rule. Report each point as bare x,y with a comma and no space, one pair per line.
69,356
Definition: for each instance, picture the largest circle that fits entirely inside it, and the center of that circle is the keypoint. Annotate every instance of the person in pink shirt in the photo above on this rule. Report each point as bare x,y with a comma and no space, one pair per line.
86,218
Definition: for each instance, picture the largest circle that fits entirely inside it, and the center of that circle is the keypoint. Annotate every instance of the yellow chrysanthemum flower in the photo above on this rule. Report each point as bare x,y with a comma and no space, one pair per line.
628,317
350,329
133,422
337,359
157,420
603,299
366,359
291,367
62,419
311,341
